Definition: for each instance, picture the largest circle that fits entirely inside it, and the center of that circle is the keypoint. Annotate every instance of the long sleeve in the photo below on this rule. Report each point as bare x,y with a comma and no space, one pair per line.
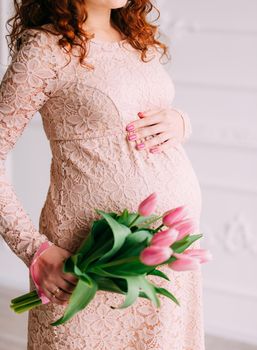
29,81
187,124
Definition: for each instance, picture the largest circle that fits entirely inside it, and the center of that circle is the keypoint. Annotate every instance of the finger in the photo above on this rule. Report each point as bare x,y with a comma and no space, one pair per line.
65,285
151,112
59,294
159,139
150,130
52,297
59,301
164,146
149,120
70,278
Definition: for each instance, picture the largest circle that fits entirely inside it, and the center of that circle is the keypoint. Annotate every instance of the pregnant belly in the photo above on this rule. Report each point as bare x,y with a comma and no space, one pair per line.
112,175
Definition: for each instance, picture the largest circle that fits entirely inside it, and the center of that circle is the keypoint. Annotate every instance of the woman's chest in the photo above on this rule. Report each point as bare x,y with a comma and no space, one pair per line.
106,99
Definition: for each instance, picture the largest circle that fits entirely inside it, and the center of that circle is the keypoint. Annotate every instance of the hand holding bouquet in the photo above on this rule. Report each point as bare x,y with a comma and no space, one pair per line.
118,254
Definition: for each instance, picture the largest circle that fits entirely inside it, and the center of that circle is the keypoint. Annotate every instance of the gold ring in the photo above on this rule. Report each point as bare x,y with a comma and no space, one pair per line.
57,290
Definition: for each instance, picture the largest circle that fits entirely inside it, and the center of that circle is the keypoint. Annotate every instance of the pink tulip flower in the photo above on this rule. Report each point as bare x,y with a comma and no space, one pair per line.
165,238
185,227
155,255
202,255
184,263
148,205
174,215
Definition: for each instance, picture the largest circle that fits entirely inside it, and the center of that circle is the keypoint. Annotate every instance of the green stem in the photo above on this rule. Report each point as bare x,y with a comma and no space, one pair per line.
27,307
117,262
23,297
158,228
130,225
96,254
25,302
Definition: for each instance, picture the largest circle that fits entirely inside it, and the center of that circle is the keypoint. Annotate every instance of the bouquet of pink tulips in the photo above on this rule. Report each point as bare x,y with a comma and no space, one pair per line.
120,251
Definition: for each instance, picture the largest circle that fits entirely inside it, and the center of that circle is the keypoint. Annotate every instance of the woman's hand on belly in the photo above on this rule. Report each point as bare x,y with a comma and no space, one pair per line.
157,130
56,284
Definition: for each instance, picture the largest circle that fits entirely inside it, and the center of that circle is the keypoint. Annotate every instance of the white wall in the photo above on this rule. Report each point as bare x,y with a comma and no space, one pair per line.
214,67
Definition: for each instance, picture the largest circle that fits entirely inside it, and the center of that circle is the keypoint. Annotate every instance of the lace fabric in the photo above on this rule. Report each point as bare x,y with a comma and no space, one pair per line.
24,89
93,165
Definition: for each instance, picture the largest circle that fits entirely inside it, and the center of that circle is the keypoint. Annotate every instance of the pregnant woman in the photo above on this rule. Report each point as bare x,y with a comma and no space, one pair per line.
93,70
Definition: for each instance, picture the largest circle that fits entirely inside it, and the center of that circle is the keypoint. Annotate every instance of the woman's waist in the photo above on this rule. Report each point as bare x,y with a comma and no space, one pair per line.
114,162
101,177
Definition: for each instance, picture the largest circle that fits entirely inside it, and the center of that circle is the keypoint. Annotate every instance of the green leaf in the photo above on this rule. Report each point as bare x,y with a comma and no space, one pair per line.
159,273
183,244
96,254
132,268
108,284
133,284
134,244
127,219
70,266
101,272
138,237
95,238
149,289
80,298
120,232
167,294
131,218
123,219
146,221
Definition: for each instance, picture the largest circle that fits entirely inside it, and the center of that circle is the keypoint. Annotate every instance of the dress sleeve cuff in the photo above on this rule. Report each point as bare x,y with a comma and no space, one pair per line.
187,124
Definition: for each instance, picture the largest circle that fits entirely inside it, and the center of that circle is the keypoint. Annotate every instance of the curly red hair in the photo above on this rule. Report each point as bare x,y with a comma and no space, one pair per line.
68,16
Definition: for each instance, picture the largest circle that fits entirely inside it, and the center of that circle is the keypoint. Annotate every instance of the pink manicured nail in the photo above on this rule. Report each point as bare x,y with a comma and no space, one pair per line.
140,146
154,150
132,137
130,127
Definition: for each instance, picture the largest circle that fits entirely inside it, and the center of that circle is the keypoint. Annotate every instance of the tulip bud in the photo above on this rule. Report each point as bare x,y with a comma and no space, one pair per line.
147,206
165,238
185,227
184,263
202,255
174,215
155,255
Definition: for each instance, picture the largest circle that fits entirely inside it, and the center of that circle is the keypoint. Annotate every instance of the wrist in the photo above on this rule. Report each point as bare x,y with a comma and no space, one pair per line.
41,249
34,269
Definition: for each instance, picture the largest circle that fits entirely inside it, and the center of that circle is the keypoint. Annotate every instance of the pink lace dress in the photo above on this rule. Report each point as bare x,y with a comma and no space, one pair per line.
93,165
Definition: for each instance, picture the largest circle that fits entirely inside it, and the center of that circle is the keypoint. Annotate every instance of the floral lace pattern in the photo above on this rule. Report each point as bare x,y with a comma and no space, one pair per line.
93,165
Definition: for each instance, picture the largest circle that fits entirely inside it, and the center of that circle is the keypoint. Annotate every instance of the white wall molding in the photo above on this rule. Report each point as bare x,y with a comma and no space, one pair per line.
239,292
242,189
226,135
234,236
